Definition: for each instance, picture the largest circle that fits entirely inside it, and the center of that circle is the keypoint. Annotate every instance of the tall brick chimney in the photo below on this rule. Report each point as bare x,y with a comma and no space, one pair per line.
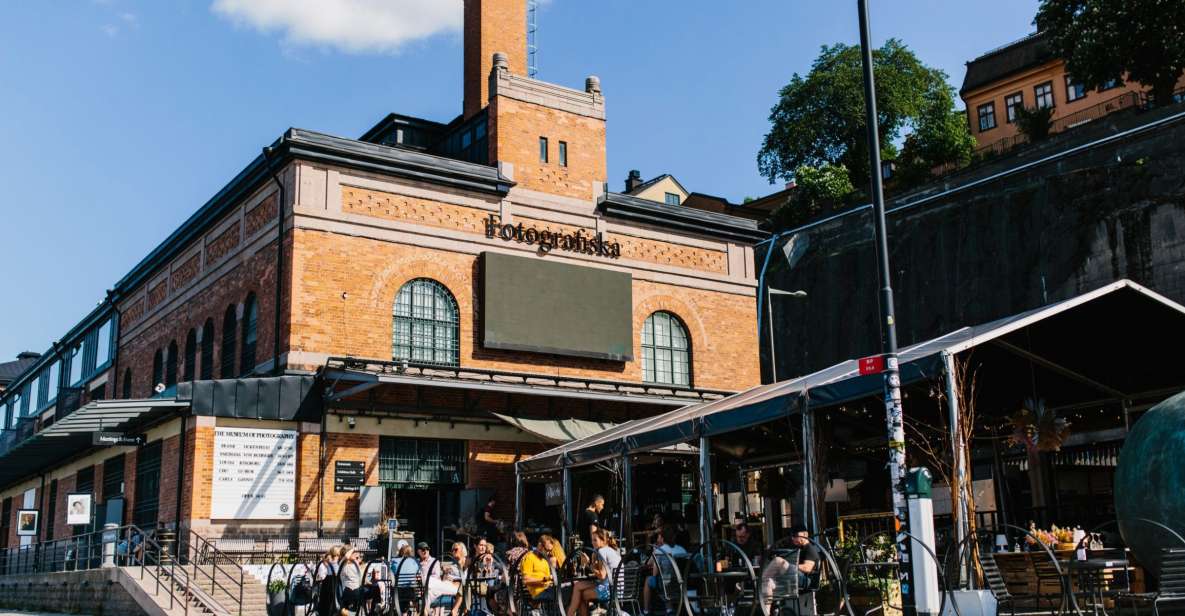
490,26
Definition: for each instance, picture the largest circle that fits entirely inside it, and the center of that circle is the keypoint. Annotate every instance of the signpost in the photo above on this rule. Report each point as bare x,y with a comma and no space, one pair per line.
348,476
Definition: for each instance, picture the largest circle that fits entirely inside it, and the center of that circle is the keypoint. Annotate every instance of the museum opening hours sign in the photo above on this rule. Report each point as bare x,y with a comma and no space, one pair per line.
254,474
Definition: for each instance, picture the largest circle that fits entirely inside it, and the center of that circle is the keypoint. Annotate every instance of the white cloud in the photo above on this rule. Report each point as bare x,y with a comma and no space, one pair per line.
354,26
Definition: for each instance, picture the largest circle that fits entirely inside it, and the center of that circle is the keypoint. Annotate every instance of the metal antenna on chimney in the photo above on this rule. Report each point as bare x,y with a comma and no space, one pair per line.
532,27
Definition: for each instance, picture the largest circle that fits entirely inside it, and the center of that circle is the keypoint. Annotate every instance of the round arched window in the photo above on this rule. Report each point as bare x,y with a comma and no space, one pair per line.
426,324
666,350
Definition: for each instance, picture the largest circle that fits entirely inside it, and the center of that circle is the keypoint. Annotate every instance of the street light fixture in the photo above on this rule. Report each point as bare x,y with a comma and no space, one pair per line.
770,292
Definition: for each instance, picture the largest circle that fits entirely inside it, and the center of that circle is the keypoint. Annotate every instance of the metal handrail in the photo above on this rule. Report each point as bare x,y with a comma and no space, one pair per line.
87,551
201,552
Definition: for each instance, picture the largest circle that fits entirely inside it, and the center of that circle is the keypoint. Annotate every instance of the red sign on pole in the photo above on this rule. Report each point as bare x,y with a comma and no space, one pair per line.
872,365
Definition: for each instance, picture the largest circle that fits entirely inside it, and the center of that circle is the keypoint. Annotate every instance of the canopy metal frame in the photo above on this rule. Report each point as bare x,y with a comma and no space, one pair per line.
932,360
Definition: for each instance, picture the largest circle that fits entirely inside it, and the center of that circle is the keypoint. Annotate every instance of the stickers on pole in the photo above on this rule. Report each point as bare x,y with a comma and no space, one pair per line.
254,474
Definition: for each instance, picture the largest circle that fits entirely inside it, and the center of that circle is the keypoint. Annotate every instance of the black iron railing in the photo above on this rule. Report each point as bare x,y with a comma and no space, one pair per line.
185,569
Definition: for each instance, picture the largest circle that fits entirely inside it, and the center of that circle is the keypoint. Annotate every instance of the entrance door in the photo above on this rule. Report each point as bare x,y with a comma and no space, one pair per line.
430,513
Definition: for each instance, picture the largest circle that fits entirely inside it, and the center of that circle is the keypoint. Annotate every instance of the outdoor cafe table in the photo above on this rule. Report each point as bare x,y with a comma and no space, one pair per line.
721,580
1092,577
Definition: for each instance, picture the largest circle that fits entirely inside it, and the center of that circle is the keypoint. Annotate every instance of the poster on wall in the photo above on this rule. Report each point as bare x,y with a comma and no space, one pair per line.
78,508
254,474
26,522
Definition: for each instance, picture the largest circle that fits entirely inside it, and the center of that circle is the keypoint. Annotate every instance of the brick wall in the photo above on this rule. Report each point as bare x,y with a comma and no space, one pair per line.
255,274
335,507
60,529
722,326
490,26
515,128
491,466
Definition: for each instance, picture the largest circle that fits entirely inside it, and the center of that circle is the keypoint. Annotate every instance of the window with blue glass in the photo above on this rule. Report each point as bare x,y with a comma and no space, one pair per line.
103,343
1074,91
76,366
51,381
426,324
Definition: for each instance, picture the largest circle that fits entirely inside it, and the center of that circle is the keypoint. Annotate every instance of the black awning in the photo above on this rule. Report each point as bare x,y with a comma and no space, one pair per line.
282,398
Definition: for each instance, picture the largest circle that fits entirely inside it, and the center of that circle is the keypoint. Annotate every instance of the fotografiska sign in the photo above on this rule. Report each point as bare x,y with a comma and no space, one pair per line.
547,240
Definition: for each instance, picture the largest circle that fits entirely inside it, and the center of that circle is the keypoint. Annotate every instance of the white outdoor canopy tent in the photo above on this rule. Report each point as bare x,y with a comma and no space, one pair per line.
1114,342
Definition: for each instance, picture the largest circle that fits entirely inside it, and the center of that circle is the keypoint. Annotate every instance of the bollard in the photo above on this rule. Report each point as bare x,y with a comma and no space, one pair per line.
110,537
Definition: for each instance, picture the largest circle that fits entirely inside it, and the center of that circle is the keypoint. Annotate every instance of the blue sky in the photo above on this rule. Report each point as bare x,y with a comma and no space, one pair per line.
119,118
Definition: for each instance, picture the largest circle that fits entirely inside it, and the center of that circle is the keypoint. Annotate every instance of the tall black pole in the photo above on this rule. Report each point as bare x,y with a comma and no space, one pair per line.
893,417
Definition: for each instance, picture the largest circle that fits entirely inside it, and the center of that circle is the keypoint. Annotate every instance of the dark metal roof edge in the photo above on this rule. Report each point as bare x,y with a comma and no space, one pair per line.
396,118
300,143
686,219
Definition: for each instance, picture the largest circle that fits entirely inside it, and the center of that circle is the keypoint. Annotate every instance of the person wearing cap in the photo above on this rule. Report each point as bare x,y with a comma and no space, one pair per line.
429,568
808,555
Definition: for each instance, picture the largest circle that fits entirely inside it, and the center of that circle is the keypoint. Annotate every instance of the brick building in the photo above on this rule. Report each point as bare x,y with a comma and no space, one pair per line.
355,329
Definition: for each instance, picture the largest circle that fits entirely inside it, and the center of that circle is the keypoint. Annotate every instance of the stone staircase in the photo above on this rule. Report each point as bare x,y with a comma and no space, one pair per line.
208,591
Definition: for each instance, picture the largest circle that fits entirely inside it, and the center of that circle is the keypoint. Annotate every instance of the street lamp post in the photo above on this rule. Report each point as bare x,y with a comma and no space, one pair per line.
892,378
770,292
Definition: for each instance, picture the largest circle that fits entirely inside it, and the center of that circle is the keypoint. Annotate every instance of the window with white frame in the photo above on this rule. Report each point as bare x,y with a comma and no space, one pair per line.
76,371
1012,103
987,116
1044,94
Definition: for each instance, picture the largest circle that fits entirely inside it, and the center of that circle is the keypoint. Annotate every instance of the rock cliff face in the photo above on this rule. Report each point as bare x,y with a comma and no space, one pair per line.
1007,245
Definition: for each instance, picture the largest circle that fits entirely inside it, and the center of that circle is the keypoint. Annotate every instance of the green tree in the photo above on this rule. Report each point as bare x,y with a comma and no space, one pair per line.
819,118
819,190
1103,40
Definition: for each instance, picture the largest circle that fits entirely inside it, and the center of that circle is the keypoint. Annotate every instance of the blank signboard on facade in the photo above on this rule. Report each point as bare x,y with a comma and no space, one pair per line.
542,306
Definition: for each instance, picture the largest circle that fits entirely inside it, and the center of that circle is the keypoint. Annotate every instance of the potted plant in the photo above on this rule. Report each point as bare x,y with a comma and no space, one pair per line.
277,598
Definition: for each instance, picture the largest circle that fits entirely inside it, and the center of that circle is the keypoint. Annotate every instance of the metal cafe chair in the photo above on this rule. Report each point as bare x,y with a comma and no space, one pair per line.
671,588
526,605
778,590
624,594
407,591
1172,583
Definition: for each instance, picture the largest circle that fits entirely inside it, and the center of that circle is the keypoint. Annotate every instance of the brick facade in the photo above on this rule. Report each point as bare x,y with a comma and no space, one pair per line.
492,26
515,129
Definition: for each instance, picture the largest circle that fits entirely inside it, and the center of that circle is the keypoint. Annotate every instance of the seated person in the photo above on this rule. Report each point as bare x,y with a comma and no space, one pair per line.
555,551
808,556
664,543
603,567
442,590
535,568
519,546
747,541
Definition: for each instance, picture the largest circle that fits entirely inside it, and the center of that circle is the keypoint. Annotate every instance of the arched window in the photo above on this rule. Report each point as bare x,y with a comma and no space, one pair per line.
127,383
171,365
250,316
190,356
229,333
666,350
207,371
158,369
426,324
